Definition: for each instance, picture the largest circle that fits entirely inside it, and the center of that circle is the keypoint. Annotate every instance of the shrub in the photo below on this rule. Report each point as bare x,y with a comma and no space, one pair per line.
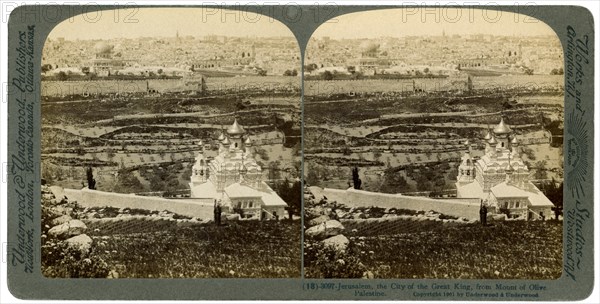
63,262
326,262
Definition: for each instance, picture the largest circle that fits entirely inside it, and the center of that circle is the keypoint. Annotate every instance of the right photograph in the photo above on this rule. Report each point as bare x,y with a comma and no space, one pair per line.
433,146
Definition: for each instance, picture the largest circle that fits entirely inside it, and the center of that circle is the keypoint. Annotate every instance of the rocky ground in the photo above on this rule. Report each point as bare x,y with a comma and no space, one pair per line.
333,250
100,242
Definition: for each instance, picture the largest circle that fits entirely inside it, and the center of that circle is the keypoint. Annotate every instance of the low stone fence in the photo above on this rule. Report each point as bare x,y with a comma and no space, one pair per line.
134,224
466,208
198,208
126,225
395,224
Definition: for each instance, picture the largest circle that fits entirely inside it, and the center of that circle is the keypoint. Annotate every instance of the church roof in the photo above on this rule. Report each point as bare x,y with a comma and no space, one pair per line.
488,135
239,190
205,190
470,190
502,128
270,197
535,196
514,141
248,141
267,195
493,141
235,128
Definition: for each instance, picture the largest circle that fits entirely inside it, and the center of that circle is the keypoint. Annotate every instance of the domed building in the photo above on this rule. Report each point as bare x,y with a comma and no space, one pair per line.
233,178
103,64
500,178
370,61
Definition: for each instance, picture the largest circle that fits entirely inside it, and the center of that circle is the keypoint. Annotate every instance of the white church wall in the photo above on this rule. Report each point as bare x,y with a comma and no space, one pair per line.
189,207
359,198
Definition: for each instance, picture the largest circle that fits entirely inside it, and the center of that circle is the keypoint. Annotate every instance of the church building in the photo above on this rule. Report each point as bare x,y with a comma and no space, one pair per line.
234,180
500,178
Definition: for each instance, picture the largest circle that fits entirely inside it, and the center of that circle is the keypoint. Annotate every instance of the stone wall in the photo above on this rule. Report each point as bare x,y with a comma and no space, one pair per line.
188,207
324,87
468,209
267,83
127,225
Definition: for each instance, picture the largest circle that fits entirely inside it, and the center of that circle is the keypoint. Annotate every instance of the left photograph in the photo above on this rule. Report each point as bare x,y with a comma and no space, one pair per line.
171,146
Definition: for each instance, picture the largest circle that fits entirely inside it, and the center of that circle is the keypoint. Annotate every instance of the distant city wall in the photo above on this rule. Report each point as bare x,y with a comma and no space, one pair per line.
360,198
268,83
94,198
324,87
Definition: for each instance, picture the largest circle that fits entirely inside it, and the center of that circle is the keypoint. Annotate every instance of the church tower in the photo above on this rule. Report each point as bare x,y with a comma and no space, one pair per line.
236,135
200,172
466,169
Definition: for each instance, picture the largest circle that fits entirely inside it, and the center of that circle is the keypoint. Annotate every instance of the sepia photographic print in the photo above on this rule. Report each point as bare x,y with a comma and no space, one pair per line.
285,151
171,147
433,149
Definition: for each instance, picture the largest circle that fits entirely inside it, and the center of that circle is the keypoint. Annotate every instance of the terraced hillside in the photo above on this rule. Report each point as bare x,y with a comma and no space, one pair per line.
145,143
394,137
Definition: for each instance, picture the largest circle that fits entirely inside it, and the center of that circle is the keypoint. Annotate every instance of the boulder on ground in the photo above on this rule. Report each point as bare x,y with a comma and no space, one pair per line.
68,229
61,220
49,213
231,217
318,220
340,213
329,228
59,193
338,242
82,243
359,215
496,217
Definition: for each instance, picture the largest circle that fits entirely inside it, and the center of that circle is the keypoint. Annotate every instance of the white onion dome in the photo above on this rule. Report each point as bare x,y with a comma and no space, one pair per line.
502,128
488,136
235,129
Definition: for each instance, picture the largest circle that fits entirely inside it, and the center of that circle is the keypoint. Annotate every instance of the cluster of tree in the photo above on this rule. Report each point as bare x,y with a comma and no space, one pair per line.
356,181
558,71
393,181
127,182
430,177
91,181
166,179
311,67
261,72
553,190
293,72
291,193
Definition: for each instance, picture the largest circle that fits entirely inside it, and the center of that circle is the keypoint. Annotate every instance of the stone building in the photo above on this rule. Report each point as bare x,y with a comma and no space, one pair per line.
234,180
500,178
103,64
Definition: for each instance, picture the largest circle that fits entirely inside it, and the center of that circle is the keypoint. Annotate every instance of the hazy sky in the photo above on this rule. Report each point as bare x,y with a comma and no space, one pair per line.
165,22
431,21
